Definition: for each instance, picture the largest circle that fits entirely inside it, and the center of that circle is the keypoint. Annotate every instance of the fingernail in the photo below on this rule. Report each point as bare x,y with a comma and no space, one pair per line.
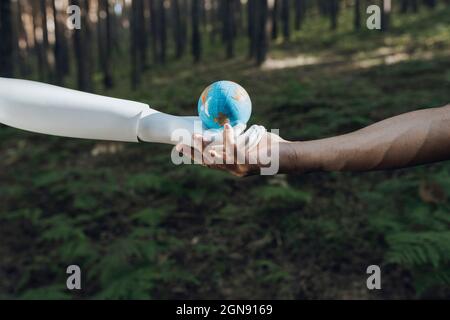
227,126
178,148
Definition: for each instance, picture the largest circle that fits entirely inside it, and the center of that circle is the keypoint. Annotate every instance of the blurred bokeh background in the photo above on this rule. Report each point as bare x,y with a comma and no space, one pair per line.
142,228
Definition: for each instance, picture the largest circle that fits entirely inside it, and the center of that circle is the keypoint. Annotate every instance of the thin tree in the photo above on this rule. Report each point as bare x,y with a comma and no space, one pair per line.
134,45
203,20
324,7
415,5
142,39
101,34
274,14
58,47
196,38
404,6
252,27
82,38
239,17
184,5
105,43
221,12
334,11
61,47
299,7
177,29
15,35
158,30
22,41
7,42
42,64
45,42
215,18
286,19
357,16
88,30
430,3
262,12
163,32
154,29
228,27
386,16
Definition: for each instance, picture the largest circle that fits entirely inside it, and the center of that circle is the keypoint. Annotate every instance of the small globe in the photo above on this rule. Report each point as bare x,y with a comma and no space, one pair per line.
222,102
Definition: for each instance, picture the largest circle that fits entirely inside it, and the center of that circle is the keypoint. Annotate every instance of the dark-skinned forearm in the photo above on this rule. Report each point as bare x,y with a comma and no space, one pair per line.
409,139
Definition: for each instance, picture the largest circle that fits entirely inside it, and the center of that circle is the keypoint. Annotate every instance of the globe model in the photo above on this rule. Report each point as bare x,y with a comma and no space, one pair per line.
222,102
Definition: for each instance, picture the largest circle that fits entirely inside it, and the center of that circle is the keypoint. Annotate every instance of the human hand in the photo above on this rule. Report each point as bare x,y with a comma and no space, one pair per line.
239,154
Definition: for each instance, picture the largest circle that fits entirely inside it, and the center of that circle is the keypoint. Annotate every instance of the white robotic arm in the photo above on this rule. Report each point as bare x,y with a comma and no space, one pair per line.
48,109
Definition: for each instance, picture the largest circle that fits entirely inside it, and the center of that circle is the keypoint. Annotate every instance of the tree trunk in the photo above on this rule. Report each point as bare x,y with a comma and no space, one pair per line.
285,18
239,18
101,34
38,41
58,48
430,3
251,17
142,35
134,45
82,39
105,43
45,44
184,5
262,11
22,42
357,17
196,39
324,7
334,11
215,18
228,28
163,32
61,50
7,46
177,29
404,6
415,5
154,30
15,18
221,16
386,16
158,30
274,17
298,14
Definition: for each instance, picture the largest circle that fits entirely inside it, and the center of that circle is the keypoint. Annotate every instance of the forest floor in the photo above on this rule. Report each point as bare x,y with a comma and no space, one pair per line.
141,227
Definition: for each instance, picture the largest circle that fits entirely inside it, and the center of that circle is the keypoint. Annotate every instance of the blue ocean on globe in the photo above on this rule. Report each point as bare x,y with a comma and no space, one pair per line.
222,102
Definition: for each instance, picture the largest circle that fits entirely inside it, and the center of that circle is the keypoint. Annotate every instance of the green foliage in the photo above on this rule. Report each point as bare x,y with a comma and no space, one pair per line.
282,195
417,235
419,248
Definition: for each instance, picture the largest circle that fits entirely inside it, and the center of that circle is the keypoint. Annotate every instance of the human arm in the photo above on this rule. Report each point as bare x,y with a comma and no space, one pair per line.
409,139
406,140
